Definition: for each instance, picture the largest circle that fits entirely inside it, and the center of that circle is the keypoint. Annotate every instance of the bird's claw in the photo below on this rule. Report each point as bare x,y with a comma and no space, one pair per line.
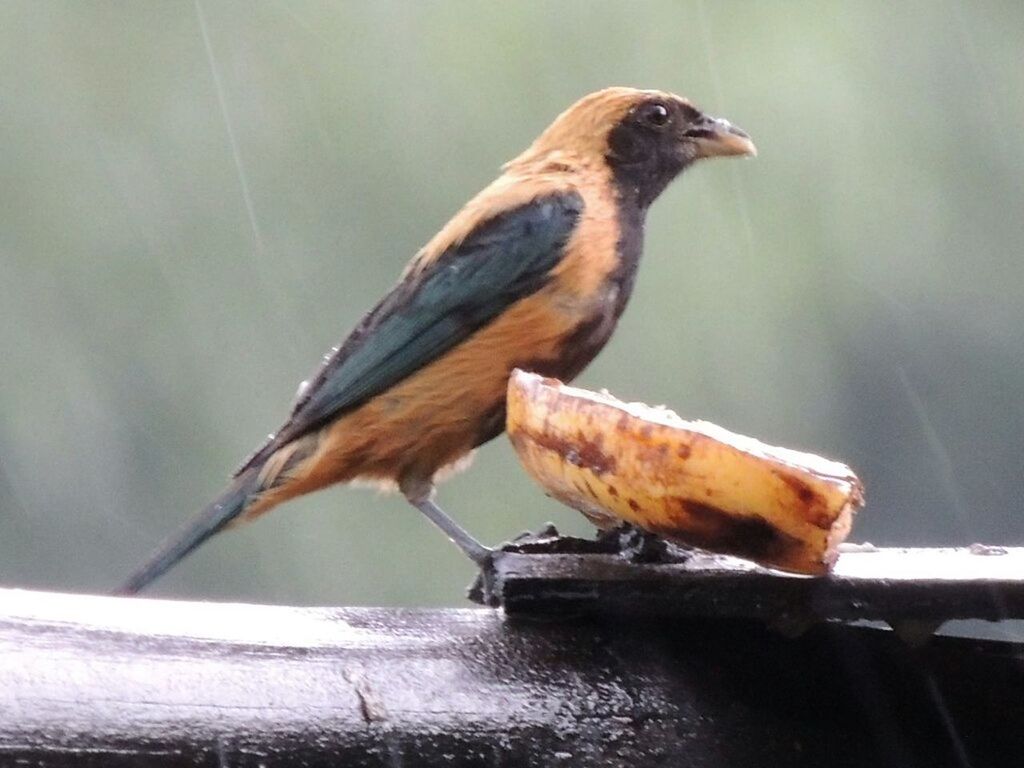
486,587
636,545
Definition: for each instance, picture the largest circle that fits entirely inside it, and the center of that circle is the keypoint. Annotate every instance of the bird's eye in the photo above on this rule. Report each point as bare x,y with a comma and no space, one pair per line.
655,115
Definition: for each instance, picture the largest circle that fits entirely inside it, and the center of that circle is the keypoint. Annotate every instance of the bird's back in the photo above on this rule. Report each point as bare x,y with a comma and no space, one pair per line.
555,326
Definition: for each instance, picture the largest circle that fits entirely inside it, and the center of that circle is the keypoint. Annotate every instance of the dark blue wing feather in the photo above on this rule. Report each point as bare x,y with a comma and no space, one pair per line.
506,258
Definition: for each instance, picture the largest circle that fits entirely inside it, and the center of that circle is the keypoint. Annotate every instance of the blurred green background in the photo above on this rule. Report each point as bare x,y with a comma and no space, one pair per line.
199,200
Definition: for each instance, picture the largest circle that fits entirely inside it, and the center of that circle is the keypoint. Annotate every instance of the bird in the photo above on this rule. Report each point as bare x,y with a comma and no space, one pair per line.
532,273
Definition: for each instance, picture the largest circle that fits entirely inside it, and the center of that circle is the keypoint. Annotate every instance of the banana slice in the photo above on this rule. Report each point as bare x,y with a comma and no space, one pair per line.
689,481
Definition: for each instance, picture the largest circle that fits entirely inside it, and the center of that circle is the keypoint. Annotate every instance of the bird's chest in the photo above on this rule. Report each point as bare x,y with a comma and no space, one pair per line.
593,290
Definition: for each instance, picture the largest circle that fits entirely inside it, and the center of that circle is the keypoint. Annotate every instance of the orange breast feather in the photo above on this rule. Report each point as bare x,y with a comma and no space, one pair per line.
437,415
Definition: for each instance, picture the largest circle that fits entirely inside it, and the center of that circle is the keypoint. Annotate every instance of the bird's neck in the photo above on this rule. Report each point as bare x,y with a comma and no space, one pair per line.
629,248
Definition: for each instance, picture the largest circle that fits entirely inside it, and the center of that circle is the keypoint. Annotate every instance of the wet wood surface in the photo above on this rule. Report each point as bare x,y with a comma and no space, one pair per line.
103,681
923,586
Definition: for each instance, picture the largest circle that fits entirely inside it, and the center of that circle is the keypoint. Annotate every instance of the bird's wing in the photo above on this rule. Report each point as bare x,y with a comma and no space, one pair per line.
437,305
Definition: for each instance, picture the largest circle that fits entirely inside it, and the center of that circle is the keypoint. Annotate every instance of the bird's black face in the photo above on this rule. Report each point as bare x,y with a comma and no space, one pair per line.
659,137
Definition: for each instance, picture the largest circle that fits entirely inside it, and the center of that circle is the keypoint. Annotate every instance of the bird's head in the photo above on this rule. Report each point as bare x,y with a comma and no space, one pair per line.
646,138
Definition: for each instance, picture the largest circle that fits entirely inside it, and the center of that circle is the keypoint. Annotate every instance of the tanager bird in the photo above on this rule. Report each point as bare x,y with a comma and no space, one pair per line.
533,273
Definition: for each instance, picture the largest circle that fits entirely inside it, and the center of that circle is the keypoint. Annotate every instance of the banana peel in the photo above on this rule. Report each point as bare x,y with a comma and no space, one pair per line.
691,482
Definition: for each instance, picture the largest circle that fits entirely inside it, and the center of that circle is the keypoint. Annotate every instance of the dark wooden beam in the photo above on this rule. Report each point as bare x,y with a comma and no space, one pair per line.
909,588
101,681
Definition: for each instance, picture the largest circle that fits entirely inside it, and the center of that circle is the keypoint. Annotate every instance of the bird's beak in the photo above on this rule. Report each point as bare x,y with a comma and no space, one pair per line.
716,137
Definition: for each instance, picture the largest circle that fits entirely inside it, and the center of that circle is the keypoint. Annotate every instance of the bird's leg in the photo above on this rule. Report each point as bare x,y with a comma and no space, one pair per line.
420,495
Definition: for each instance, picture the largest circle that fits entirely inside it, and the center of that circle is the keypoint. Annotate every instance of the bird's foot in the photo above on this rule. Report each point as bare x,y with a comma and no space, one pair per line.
626,541
486,587
635,544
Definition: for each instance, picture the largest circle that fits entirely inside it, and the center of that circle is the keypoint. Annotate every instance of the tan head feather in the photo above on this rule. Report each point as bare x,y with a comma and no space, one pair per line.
582,129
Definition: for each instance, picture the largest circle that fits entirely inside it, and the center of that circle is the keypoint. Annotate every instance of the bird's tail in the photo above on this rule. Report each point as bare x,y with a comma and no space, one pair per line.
225,508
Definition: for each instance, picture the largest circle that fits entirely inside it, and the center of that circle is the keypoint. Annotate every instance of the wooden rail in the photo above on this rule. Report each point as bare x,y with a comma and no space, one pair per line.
103,681
915,590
